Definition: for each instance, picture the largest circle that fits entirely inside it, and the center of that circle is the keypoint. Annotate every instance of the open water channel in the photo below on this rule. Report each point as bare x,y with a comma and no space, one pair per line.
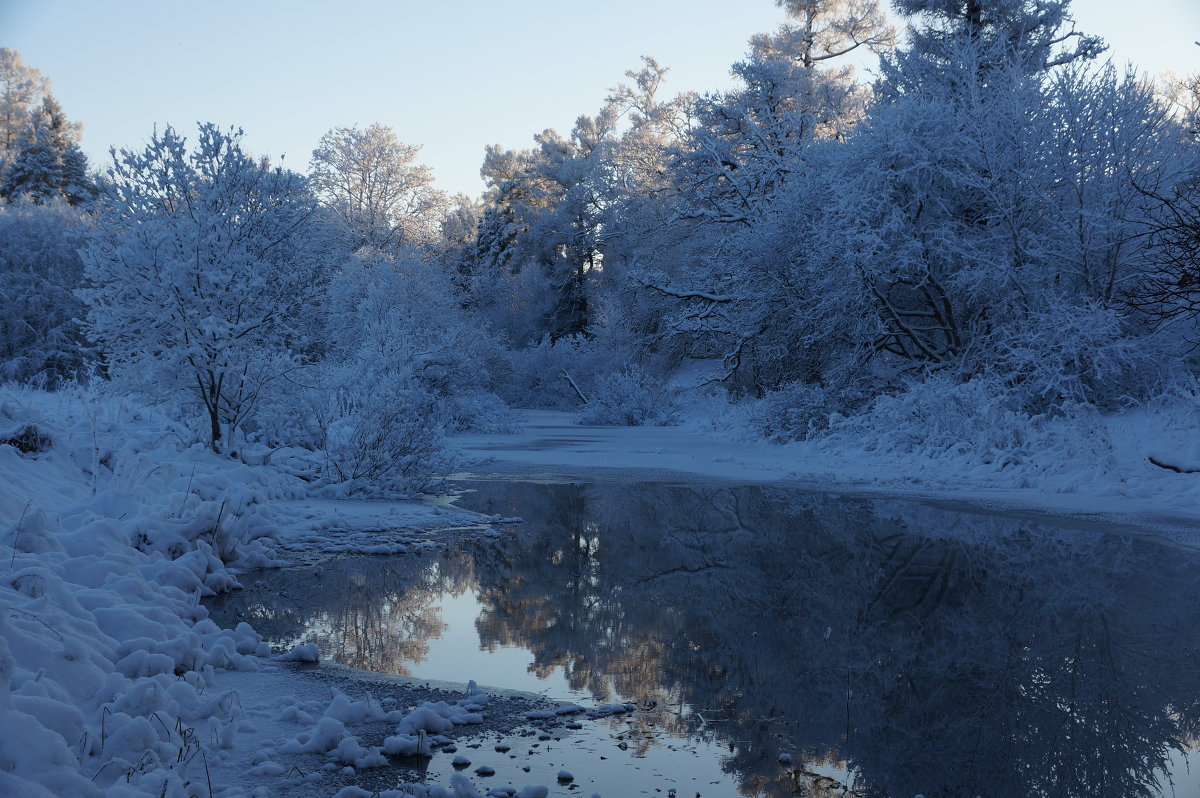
887,648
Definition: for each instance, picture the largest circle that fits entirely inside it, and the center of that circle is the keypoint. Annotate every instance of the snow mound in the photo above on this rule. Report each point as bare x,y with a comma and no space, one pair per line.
113,531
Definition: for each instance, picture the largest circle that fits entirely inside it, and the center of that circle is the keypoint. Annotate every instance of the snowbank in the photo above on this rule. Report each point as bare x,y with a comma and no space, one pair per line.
111,531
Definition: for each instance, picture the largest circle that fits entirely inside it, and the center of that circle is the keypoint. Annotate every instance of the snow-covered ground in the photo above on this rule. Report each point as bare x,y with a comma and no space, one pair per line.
1100,472
113,681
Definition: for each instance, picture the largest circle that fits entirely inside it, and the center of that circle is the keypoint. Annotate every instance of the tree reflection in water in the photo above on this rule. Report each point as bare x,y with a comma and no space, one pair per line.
921,650
373,613
926,651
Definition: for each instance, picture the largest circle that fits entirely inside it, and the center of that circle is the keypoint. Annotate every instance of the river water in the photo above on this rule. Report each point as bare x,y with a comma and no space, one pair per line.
887,648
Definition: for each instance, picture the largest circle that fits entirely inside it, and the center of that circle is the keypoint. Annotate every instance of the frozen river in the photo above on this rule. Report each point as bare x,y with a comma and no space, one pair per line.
775,642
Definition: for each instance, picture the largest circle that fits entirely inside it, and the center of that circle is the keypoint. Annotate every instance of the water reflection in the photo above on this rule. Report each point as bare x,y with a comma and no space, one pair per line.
373,613
922,651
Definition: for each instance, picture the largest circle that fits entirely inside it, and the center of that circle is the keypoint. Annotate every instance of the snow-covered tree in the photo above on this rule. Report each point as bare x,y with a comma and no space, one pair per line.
40,155
460,225
376,189
1030,35
203,272
396,314
21,89
563,220
546,212
1167,288
1111,145
747,142
47,161
986,228
743,151
655,126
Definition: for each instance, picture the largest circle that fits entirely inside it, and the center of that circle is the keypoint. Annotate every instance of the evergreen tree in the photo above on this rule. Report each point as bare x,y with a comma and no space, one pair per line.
1032,36
48,161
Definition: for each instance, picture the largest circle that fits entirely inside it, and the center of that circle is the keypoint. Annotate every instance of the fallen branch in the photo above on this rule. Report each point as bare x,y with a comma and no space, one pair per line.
1176,469
683,293
571,382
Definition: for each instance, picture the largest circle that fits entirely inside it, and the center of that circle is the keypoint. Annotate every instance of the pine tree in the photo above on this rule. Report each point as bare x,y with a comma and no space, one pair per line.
48,161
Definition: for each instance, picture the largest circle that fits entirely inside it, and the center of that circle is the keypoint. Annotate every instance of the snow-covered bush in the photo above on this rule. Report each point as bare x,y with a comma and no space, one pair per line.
799,410
540,375
1073,352
402,365
980,426
351,429
941,417
629,397
394,444
551,375
480,411
39,270
395,316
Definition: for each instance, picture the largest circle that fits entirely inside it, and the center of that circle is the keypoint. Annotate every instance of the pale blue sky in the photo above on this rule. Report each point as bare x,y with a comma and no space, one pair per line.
450,76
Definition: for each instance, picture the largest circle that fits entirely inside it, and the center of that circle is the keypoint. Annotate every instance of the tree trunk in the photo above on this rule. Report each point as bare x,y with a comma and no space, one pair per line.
214,422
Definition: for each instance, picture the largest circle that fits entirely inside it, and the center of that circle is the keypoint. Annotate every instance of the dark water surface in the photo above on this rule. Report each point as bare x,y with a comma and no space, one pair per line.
892,647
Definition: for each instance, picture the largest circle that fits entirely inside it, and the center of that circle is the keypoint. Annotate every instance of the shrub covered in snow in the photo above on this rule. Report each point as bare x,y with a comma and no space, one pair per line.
480,411
798,410
629,397
352,429
39,271
395,445
539,376
1073,353
394,317
939,417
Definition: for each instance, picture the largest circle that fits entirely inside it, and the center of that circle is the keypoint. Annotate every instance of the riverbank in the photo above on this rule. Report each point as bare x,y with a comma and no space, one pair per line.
1102,473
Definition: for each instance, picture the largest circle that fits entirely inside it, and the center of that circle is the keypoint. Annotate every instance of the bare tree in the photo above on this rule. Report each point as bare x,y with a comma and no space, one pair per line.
372,182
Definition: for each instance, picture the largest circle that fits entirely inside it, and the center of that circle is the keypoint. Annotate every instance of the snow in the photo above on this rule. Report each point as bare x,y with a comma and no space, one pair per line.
111,531
305,652
1092,472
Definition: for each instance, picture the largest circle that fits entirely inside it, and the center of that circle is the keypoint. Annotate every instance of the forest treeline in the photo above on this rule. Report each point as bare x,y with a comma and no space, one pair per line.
1000,225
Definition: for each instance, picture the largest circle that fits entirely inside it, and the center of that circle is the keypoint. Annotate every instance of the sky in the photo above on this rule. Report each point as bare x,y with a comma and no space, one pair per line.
452,77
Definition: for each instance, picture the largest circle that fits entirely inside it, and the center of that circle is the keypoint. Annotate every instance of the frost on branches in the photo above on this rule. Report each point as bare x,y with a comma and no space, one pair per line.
202,273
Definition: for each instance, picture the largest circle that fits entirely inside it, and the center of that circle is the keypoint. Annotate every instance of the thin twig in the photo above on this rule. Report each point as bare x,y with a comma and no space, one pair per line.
17,534
188,492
